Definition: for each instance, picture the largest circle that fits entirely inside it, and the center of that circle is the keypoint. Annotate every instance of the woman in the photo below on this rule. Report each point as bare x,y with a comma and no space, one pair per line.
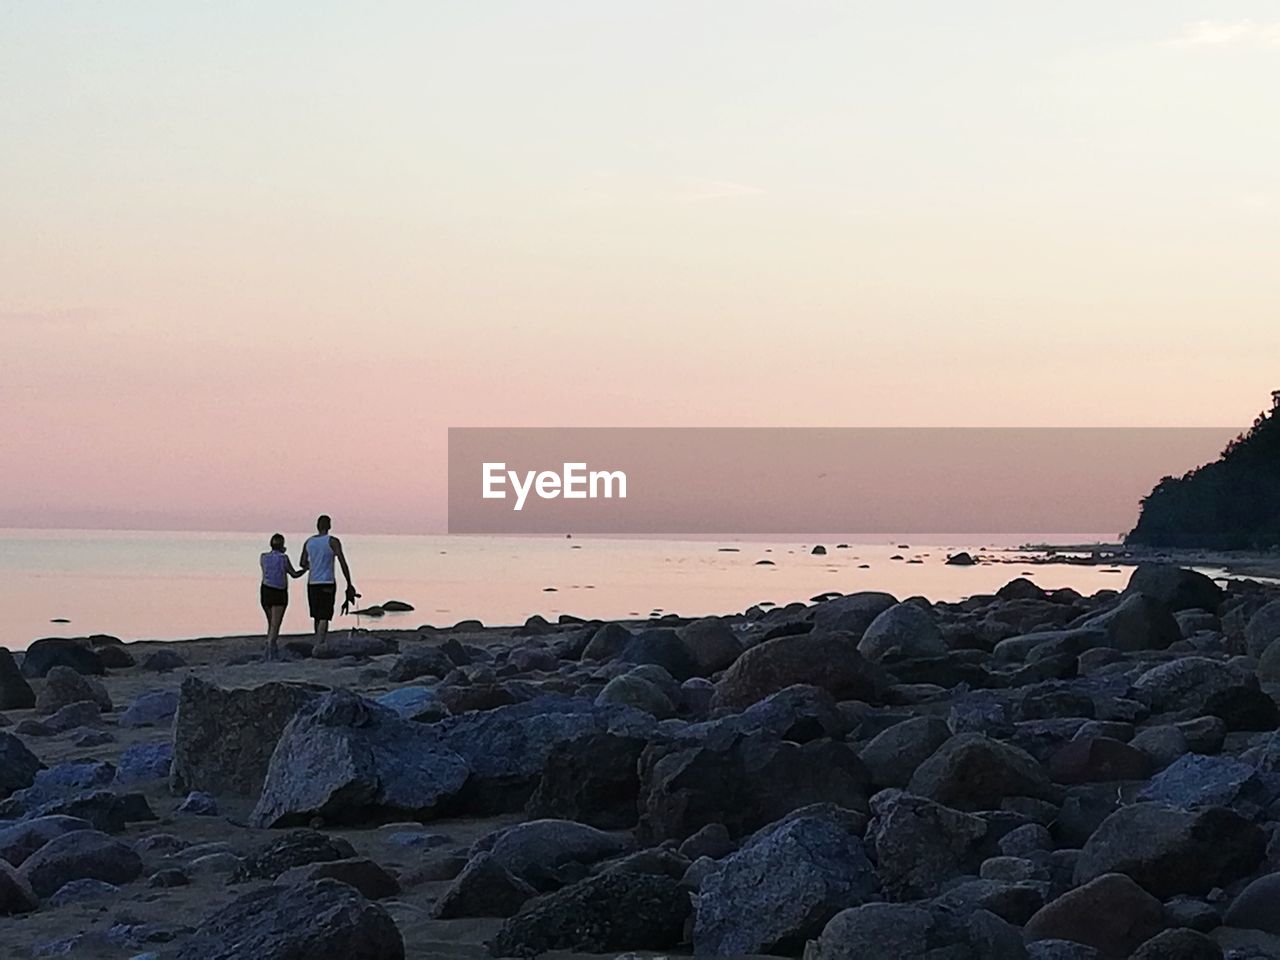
276,566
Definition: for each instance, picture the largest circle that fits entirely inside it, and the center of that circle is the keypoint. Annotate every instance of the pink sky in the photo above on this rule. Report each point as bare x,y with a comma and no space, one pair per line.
254,265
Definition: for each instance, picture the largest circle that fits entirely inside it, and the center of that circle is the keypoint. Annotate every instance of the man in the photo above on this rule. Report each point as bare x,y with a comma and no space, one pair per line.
318,554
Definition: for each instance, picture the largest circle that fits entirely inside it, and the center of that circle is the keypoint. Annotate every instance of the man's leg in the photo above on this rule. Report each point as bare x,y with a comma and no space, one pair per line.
322,631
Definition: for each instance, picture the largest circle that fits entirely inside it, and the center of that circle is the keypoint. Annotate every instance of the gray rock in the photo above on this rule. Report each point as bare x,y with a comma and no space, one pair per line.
18,765
42,655
144,762
852,613
223,738
781,888
591,780
919,845
484,888
661,648
904,630
1197,781
894,931
1178,945
151,709
162,661
80,855
1110,913
974,772
82,713
1175,587
1254,908
318,920
1170,851
535,851
830,661
295,849
631,690
78,891
26,837
1138,622
712,841
415,703
365,875
607,642
15,893
61,782
347,759
420,661
1263,629
63,685
893,755
712,644
1060,950
610,911
1189,684
199,804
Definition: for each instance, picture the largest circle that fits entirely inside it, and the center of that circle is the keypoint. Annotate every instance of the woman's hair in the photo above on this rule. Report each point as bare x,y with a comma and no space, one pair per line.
277,541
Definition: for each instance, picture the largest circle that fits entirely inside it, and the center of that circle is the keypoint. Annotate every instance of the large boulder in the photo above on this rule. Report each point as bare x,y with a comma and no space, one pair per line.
1110,913
63,686
1194,781
484,888
80,855
62,781
1175,587
296,848
1098,760
348,760
18,765
781,888
1200,686
223,738
893,755
15,692
896,931
420,661
614,910
1137,623
1262,629
920,845
1254,907
712,644
974,772
904,630
632,689
316,920
508,748
538,850
16,895
26,837
827,660
662,648
607,642
852,613
743,782
1168,851
43,655
593,780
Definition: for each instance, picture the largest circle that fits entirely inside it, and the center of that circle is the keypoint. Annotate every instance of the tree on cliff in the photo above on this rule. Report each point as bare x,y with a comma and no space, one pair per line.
1230,504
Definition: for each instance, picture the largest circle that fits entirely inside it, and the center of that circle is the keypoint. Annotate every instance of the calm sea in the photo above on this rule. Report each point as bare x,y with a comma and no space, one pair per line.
148,585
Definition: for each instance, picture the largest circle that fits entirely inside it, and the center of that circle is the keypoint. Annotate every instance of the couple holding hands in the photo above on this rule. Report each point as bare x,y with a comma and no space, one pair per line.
317,561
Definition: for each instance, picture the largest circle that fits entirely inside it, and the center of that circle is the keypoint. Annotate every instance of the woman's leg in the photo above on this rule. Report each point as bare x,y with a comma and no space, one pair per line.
274,619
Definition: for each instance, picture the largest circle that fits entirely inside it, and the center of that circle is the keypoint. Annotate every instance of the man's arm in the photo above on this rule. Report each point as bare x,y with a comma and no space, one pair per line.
304,561
336,544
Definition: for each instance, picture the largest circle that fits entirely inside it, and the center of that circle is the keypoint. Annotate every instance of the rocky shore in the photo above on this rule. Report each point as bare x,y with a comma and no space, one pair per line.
1031,775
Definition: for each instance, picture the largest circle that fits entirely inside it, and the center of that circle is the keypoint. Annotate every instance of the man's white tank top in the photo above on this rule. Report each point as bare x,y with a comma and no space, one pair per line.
320,558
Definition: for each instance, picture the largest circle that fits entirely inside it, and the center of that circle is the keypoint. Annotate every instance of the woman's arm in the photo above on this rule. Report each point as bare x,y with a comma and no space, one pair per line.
290,568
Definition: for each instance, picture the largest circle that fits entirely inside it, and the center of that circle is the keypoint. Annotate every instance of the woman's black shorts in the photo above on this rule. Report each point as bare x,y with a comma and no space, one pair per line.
273,597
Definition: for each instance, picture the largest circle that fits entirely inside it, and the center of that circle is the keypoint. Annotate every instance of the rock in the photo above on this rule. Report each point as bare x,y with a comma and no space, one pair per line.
830,661
26,837
15,692
144,762
1178,945
484,888
415,703
79,891
63,686
82,713
1020,588
366,876
781,888
1263,629
508,748
1170,851
42,655
610,911
420,662
1175,587
662,648
162,661
1137,623
198,804
105,811
1254,908
295,849
16,895
896,931
1060,950
1191,685
961,559
347,760
905,630
1098,760
223,739
60,782
607,642
630,690
1026,840
114,657
1110,913
151,709
919,845
18,765
318,920
974,772
712,644
80,855
744,782
852,613
1198,781
535,851
169,877
893,755
593,781
712,841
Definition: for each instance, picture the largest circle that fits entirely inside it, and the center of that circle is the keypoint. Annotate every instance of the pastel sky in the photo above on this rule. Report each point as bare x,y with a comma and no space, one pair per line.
256,257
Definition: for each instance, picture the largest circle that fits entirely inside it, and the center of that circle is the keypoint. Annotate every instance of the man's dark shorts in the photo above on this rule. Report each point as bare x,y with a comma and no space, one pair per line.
320,596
